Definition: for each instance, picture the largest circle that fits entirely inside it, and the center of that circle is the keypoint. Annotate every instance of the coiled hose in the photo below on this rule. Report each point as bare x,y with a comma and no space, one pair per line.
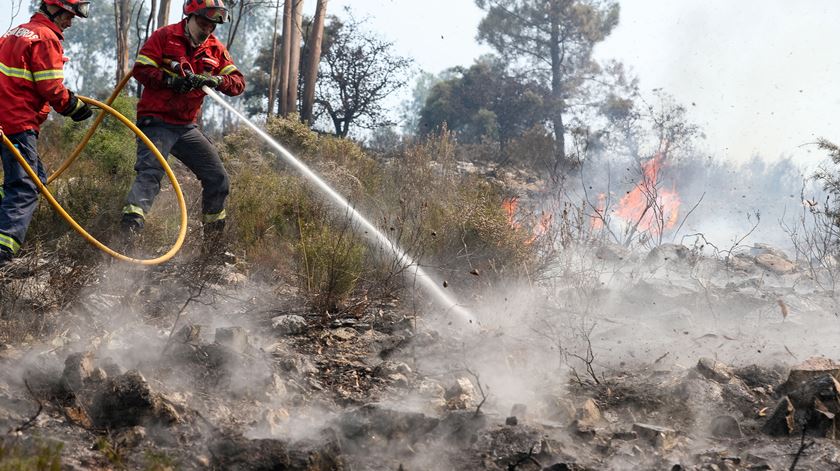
106,108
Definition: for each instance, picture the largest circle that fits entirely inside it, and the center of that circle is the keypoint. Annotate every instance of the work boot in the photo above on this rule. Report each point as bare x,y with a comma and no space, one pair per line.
131,226
213,246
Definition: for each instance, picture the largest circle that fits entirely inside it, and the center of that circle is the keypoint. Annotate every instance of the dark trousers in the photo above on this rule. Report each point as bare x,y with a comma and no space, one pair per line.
20,197
189,145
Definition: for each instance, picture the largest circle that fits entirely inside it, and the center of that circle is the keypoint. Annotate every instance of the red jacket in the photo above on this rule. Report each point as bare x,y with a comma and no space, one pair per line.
171,44
31,75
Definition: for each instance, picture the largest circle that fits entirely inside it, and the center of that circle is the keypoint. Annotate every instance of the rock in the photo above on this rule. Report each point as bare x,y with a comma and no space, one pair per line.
389,367
588,416
714,370
237,453
660,437
741,263
127,401
760,377
613,252
78,368
290,324
810,368
234,338
775,263
512,420
813,406
781,421
668,253
276,386
344,333
398,379
761,249
98,375
130,437
725,426
372,421
190,333
519,410
461,395
561,410
274,421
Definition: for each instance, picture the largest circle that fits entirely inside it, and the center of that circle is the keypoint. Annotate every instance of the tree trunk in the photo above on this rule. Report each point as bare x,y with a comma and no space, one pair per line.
272,73
285,55
294,57
558,102
122,25
163,13
313,60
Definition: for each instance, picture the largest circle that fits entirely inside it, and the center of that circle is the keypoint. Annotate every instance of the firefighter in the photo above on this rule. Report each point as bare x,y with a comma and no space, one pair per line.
32,80
173,65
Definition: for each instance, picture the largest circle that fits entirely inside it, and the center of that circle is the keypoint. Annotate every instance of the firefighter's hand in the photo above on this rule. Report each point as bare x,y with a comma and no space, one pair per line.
179,83
211,81
77,110
206,80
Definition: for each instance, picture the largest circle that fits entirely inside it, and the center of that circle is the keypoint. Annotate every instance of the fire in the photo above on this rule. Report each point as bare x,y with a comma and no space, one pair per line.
540,227
649,207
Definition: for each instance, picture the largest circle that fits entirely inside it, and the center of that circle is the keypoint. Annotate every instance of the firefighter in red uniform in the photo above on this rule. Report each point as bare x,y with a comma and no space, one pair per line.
173,65
32,80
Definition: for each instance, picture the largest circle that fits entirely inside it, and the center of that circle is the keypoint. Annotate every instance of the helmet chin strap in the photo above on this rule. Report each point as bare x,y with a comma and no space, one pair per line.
46,11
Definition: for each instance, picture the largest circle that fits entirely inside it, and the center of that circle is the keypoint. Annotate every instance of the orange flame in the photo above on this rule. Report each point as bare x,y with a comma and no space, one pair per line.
648,206
540,228
597,219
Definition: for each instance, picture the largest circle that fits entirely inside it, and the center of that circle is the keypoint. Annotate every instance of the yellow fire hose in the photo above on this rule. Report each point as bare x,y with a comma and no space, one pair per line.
105,108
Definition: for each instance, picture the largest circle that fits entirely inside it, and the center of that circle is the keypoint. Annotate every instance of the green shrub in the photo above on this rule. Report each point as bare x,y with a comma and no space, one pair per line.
92,190
332,260
38,456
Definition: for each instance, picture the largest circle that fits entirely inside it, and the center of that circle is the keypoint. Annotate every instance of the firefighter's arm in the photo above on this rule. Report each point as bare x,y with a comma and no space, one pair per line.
232,82
47,67
149,65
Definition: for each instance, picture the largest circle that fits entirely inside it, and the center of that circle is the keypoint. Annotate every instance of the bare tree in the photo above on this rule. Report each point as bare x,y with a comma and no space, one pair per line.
15,11
272,73
122,26
313,60
285,54
294,56
163,12
358,73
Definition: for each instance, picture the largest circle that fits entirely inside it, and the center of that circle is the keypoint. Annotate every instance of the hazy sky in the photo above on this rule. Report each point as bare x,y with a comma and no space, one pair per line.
761,75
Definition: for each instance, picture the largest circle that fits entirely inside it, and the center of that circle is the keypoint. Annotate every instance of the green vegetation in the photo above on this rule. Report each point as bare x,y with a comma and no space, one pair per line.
37,456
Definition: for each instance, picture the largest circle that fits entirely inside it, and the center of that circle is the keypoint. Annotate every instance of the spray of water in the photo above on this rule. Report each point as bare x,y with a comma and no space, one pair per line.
460,314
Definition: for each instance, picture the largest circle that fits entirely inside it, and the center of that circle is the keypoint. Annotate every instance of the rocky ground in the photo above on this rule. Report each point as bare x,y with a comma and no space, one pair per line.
664,360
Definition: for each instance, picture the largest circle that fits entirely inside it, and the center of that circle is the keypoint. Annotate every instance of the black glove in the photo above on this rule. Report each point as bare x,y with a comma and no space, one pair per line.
76,109
179,83
211,81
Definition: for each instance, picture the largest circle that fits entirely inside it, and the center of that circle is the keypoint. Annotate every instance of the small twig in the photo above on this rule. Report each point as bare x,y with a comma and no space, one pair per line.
31,420
802,447
524,459
480,389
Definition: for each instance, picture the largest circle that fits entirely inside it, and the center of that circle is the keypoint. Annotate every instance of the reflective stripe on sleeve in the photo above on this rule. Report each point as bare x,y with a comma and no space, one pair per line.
228,70
16,73
141,59
49,75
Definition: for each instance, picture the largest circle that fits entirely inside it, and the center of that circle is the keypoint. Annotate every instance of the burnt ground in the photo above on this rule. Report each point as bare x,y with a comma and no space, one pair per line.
666,360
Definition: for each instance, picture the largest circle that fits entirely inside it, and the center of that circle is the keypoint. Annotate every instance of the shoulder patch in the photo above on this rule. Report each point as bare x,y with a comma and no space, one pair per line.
227,56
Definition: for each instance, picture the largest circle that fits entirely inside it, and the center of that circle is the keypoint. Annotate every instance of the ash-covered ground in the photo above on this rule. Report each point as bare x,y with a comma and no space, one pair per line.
667,359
